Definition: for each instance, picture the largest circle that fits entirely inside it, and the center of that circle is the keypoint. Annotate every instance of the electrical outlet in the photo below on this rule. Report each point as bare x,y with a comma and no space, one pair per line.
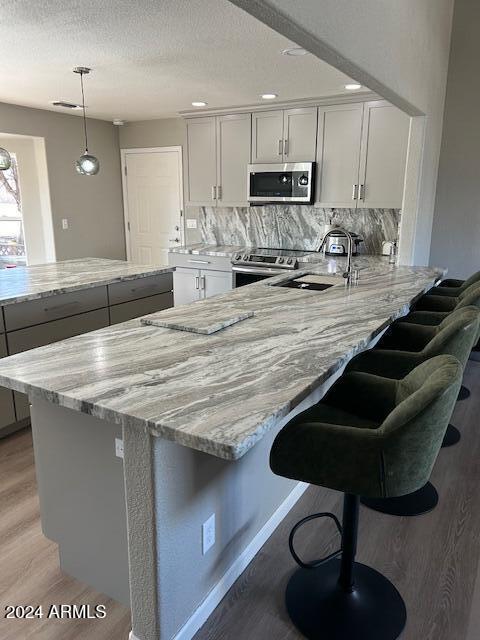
208,534
64,224
191,223
119,448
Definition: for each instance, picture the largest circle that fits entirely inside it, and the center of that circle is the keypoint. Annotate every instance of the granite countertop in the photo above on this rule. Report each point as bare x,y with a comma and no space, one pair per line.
43,280
220,393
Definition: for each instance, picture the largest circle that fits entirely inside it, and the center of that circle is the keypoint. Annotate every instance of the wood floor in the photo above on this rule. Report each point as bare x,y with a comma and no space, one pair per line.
433,559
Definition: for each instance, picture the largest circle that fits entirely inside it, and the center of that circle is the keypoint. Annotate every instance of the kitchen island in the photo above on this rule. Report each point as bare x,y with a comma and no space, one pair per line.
41,304
197,414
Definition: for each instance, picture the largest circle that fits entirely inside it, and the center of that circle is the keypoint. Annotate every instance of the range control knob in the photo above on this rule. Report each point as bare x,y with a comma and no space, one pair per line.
280,261
245,257
238,257
290,261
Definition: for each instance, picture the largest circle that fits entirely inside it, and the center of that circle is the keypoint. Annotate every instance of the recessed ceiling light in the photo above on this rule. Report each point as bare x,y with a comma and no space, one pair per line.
353,86
269,96
295,51
199,103
66,105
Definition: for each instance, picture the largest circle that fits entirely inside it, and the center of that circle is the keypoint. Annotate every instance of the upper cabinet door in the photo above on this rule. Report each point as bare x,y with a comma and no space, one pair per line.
267,136
233,156
383,157
300,135
202,163
338,154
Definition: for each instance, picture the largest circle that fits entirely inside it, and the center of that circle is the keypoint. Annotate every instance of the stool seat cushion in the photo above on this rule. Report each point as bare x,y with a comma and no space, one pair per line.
353,443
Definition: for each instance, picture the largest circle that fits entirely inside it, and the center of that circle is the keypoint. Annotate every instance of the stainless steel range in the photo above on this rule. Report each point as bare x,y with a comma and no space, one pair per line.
257,264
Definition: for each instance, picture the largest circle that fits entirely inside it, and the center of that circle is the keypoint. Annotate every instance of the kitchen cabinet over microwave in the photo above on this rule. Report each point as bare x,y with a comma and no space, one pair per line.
287,135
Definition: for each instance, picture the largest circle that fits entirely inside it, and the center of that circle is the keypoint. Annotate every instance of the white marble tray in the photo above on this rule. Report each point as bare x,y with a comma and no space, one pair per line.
197,319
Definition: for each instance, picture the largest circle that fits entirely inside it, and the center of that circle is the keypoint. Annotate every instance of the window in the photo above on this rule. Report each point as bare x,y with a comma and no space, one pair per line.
12,243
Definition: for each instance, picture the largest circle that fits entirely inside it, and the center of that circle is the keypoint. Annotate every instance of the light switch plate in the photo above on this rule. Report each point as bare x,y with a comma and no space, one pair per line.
208,534
191,223
64,224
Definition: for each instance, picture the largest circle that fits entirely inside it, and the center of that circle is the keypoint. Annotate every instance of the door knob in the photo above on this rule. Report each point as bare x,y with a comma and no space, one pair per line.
174,239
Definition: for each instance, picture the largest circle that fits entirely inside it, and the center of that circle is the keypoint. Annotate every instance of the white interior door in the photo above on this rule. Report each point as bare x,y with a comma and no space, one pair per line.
153,203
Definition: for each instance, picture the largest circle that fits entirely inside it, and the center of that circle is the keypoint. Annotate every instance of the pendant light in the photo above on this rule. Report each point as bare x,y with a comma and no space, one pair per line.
86,165
5,160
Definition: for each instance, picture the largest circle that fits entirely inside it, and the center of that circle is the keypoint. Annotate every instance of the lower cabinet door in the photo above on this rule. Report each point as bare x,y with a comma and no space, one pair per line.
213,283
22,406
142,307
186,285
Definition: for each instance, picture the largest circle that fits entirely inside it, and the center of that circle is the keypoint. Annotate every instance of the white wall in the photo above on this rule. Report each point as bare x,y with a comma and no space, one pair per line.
456,228
35,197
398,49
93,204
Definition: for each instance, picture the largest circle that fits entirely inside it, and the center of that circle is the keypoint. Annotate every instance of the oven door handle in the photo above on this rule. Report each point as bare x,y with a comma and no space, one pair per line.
257,271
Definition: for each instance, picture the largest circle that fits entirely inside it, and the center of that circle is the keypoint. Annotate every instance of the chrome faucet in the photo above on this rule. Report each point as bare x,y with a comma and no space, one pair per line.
348,272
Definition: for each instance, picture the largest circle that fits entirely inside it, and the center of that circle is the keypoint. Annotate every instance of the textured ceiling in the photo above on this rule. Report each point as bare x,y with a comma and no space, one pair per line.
151,58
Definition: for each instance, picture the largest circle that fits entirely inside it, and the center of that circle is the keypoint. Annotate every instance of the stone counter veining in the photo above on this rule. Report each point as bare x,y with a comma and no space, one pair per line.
43,280
220,393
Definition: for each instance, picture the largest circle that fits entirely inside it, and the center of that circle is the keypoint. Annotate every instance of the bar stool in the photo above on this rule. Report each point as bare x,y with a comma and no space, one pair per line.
404,347
453,287
370,436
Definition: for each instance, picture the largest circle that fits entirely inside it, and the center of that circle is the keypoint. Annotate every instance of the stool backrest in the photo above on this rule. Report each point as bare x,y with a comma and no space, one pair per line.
475,277
455,335
414,430
470,296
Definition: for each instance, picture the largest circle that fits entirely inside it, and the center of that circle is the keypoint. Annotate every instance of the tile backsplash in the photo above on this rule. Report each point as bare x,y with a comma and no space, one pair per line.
291,226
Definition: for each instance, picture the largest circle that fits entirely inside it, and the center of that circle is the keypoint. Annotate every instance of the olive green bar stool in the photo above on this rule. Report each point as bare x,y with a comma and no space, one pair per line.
431,304
402,348
452,287
370,436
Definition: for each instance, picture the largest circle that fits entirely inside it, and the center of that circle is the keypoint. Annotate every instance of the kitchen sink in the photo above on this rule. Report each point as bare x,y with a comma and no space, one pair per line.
307,283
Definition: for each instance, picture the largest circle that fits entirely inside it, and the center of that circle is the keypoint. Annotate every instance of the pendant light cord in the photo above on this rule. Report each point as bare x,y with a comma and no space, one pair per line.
84,114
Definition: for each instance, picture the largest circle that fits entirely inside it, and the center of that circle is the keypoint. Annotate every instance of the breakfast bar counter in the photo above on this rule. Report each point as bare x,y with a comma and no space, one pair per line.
197,413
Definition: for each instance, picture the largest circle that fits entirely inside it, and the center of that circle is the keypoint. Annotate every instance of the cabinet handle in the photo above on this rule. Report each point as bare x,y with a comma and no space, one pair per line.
214,192
355,192
285,147
280,147
219,192
362,192
199,261
202,283
197,282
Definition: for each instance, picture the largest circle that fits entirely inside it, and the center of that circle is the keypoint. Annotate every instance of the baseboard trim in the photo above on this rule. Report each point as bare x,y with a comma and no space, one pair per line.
201,615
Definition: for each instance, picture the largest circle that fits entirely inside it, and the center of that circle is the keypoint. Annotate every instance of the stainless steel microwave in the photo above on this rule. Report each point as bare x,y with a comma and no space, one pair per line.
282,182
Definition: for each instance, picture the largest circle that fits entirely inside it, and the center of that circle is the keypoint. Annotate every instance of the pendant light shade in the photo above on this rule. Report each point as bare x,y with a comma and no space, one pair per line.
87,164
5,160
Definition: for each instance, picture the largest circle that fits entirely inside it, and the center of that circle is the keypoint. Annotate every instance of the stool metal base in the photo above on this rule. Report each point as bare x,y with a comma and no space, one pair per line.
413,504
464,393
452,436
322,610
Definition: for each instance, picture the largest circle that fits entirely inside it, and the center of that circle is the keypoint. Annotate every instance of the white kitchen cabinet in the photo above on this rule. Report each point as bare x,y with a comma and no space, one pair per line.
267,136
233,156
285,135
218,155
202,161
212,283
338,154
299,134
194,283
186,285
383,155
361,155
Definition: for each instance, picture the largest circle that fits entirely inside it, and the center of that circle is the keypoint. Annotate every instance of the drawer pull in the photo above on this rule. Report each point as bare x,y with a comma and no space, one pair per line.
199,261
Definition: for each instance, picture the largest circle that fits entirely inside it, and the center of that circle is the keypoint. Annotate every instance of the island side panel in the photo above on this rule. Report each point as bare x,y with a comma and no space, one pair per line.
82,499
